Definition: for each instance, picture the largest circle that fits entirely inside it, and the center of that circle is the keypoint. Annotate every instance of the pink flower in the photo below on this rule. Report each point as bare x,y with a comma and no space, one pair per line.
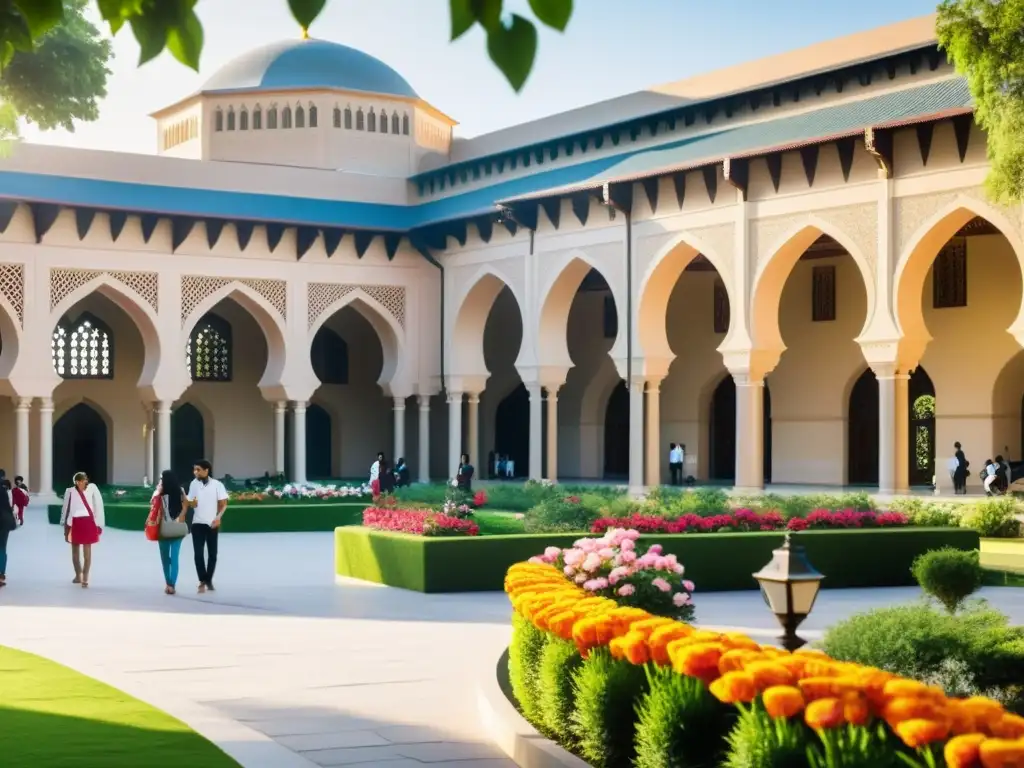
679,599
552,552
626,590
569,571
580,578
606,553
617,574
627,544
655,549
592,562
628,556
688,585
574,557
661,584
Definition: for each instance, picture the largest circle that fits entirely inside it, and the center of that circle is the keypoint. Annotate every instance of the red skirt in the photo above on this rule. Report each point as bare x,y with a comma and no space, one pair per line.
84,530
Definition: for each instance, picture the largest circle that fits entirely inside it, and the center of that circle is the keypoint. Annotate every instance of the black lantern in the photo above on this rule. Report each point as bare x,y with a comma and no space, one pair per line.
789,585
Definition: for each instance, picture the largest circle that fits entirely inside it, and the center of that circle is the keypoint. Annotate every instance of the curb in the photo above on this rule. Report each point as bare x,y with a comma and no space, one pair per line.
509,730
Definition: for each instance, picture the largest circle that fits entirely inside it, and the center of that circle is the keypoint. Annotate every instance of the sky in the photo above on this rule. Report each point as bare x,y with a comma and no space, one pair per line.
610,48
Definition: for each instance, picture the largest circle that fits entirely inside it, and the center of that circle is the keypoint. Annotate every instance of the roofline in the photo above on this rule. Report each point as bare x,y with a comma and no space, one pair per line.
748,154
197,95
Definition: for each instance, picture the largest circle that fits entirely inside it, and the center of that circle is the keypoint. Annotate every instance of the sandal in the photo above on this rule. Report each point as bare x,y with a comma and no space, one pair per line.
76,580
85,584
202,589
172,591
168,590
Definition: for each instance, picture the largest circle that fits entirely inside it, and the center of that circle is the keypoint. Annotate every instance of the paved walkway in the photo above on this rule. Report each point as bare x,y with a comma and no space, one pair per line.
283,667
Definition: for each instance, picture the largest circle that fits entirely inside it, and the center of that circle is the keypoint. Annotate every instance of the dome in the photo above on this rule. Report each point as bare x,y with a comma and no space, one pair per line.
307,64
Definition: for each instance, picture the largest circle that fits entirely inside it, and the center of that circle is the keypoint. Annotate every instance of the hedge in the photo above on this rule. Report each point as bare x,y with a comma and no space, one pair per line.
716,562
248,518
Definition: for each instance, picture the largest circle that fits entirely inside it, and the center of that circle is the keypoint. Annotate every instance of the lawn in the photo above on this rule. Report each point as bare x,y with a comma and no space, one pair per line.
495,523
55,717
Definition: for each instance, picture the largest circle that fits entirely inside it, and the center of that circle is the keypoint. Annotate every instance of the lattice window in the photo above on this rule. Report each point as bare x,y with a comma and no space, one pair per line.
949,275
348,118
314,115
231,118
208,353
83,348
257,118
721,308
394,123
371,121
300,117
243,120
360,120
329,355
405,124
12,288
321,296
823,294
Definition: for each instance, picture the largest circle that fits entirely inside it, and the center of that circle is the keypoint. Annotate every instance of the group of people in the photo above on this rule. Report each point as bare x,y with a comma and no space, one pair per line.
502,466
198,513
996,474
384,478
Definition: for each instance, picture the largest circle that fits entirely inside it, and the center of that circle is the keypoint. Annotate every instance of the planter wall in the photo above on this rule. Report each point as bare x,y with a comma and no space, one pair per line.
714,561
245,518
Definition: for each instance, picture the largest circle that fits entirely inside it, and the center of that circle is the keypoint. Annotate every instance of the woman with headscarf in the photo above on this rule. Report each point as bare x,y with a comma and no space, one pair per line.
173,507
82,519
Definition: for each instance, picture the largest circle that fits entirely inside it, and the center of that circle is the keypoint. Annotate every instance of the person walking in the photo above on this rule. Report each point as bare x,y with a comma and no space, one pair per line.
464,476
82,519
19,497
675,463
959,468
208,499
8,523
173,506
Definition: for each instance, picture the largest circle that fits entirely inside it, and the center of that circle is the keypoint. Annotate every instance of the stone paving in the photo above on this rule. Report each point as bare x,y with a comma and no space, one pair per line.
285,668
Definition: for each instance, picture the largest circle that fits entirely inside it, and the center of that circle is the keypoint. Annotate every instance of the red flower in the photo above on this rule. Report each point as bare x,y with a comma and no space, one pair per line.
480,498
422,522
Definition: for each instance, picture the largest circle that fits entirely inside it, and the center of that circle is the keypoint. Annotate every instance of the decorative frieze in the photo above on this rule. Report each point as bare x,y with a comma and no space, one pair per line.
64,282
195,289
912,212
321,296
858,223
720,238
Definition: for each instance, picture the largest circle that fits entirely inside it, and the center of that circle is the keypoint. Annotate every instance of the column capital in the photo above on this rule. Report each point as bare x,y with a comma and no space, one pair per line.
424,401
751,363
748,379
889,371
473,397
280,406
46,404
453,396
399,403
23,404
299,405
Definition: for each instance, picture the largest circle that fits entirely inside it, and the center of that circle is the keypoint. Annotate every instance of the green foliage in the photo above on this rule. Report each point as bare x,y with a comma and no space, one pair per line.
975,652
983,40
558,662
702,501
679,723
562,514
930,514
801,505
949,575
759,741
604,721
524,654
994,518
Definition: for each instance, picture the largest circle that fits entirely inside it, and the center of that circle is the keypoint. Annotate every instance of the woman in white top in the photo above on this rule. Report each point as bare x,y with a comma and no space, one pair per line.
82,518
375,473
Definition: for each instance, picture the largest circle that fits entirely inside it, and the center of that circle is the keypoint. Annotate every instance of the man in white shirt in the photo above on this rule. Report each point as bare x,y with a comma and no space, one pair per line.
208,499
675,463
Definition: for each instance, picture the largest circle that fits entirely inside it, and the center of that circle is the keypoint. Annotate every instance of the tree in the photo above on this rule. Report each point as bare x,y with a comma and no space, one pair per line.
174,25
984,40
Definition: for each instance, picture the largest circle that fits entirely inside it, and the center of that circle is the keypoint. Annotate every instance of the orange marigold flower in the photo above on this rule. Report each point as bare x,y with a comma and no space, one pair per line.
918,732
824,713
647,626
561,624
814,688
963,751
736,659
662,637
735,641
856,710
899,710
767,674
696,660
985,712
1001,753
734,688
1008,727
782,701
902,688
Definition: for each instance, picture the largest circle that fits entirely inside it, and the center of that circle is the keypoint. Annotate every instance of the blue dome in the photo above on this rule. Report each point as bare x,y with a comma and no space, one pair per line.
306,64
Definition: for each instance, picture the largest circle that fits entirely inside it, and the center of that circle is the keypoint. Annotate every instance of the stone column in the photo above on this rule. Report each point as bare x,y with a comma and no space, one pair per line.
424,459
636,437
536,431
151,447
653,475
22,409
46,448
399,410
893,429
280,413
299,441
749,433
902,431
454,433
163,436
552,468
473,430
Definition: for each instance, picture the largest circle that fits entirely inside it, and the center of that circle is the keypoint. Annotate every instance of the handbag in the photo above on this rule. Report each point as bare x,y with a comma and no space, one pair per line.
169,527
156,508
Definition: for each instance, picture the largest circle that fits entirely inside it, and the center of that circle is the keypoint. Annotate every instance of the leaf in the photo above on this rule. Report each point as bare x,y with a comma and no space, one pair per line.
185,41
306,11
553,13
151,33
463,17
41,15
513,49
488,13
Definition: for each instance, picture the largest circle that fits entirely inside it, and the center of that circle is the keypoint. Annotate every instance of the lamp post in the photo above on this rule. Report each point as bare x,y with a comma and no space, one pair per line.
789,585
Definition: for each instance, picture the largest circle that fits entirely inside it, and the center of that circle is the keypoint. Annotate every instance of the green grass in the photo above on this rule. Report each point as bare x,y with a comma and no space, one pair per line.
495,523
55,717
252,518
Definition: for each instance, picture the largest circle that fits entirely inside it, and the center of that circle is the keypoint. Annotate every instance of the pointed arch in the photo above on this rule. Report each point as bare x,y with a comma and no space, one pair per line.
917,258
218,120
658,283
314,115
774,269
472,309
243,120
231,118
265,315
141,312
556,304
389,332
83,437
10,337
257,118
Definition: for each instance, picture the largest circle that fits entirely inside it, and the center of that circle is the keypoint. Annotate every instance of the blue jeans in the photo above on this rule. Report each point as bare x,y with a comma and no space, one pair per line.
169,549
3,551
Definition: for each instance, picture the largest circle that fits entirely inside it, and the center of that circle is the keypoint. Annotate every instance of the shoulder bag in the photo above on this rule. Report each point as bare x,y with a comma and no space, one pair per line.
170,528
156,509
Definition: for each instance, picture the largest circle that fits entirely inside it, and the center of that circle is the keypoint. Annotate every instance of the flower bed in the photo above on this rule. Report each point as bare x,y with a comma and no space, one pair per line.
746,520
620,686
293,517
421,522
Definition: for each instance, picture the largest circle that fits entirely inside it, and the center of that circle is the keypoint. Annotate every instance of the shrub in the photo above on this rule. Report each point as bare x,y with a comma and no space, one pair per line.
558,662
930,514
679,722
993,518
949,575
759,741
524,653
603,721
422,522
985,655
706,502
746,520
562,514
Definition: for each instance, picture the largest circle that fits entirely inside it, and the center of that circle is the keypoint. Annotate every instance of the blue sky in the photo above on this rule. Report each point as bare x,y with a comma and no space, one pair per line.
611,47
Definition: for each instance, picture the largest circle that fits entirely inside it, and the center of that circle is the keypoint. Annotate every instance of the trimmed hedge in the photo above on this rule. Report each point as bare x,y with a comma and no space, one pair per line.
716,562
251,518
